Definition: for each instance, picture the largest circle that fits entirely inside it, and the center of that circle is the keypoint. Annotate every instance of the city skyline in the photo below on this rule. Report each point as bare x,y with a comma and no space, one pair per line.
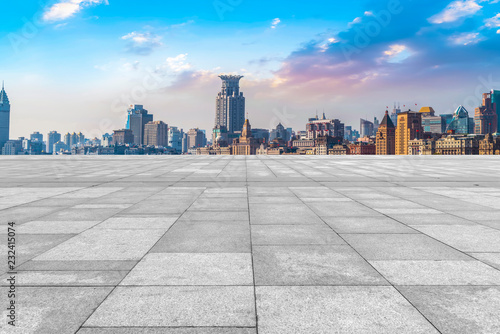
69,68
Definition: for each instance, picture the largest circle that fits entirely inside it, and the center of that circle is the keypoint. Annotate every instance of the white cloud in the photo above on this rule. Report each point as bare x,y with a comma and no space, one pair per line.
467,38
396,53
455,11
67,8
493,22
142,43
178,63
355,21
275,23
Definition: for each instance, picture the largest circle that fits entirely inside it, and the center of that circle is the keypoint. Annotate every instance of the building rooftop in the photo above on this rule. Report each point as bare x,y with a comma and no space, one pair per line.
267,244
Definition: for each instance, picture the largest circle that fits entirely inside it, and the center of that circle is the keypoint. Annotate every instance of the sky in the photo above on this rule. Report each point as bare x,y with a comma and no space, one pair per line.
76,65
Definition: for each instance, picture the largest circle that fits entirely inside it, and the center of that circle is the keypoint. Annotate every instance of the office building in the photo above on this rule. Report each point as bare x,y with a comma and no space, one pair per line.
4,117
107,140
137,118
386,137
485,116
36,136
495,100
409,128
317,127
123,137
156,134
13,147
365,128
58,147
196,138
230,104
430,122
52,138
461,123
175,138
394,114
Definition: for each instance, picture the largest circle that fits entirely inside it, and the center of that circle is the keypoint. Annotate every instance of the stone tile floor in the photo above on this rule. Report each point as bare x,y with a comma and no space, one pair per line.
241,245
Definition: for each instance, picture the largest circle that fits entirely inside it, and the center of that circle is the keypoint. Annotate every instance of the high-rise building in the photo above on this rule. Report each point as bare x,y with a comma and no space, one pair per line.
36,136
409,128
445,121
156,134
485,117
175,138
107,140
495,99
4,117
230,104
376,123
123,137
365,128
386,137
196,138
394,114
317,127
138,117
52,138
430,122
461,123
13,147
348,133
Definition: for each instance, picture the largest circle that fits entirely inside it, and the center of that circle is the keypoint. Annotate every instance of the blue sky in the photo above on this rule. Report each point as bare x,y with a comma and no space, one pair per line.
75,65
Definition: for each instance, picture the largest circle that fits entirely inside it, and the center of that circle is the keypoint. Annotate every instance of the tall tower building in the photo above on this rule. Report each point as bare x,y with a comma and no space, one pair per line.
485,116
138,117
409,128
52,138
4,117
495,100
230,104
386,137
156,134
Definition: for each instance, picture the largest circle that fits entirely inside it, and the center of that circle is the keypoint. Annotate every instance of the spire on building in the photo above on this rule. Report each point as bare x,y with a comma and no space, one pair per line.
4,99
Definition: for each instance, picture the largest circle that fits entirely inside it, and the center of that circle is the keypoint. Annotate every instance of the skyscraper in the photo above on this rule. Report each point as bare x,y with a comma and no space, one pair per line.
138,117
175,138
394,114
4,117
386,137
52,138
485,117
36,136
365,127
230,104
461,123
196,138
156,134
409,128
495,99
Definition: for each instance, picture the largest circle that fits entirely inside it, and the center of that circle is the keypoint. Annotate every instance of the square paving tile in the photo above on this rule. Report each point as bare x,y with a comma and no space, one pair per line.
402,247
312,265
457,309
367,225
192,269
294,235
53,309
466,238
104,244
222,306
363,310
437,272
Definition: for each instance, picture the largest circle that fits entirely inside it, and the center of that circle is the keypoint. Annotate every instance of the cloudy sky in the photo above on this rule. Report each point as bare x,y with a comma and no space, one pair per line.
75,65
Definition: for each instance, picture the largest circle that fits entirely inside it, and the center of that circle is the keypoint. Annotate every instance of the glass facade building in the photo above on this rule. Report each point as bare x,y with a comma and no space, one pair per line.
461,123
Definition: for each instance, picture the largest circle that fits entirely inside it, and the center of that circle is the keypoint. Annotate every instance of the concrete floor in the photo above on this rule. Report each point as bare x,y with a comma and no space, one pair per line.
309,244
